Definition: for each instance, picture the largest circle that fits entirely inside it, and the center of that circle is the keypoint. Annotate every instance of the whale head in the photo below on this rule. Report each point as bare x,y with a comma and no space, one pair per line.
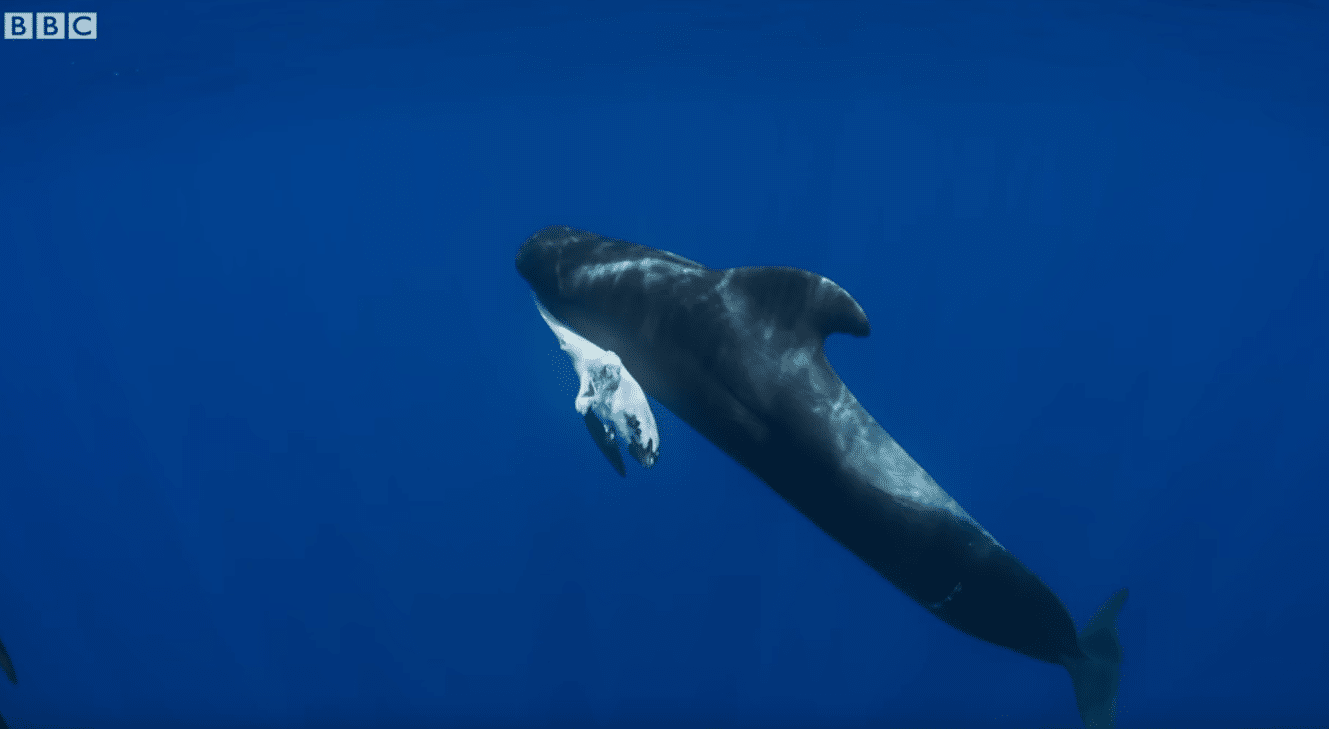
577,274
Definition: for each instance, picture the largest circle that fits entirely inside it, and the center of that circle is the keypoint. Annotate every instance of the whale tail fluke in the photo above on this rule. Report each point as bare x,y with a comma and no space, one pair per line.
1097,675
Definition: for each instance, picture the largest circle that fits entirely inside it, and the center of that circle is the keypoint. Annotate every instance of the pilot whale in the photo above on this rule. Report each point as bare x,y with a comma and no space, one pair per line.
738,355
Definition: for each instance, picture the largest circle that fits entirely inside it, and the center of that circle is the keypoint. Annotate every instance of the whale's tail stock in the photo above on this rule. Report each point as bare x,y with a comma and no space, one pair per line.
1097,674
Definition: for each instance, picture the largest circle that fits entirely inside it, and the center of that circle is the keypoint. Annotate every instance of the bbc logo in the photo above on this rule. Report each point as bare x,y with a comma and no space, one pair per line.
50,26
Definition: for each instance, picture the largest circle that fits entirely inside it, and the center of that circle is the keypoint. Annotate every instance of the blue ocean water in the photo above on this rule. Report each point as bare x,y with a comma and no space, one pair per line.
284,442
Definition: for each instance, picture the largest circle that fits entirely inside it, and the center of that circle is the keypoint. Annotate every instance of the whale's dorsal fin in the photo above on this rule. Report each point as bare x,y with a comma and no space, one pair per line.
796,296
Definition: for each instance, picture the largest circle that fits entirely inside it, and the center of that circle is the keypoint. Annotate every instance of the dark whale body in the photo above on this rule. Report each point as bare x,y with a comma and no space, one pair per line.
737,354
8,667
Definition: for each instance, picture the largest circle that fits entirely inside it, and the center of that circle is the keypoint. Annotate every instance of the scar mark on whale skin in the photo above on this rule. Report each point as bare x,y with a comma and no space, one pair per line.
937,605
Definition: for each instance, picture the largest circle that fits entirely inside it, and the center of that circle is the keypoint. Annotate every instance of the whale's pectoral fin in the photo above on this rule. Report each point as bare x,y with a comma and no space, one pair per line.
1097,675
603,436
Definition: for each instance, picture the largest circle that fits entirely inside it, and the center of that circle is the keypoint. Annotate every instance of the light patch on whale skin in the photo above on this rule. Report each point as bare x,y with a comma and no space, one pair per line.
609,390
906,479
795,361
883,462
654,271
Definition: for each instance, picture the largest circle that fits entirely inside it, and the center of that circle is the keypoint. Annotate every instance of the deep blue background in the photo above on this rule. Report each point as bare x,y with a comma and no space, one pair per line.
283,441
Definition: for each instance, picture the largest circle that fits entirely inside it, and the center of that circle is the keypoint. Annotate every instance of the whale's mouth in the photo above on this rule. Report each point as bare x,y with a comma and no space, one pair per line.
537,261
544,256
542,279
